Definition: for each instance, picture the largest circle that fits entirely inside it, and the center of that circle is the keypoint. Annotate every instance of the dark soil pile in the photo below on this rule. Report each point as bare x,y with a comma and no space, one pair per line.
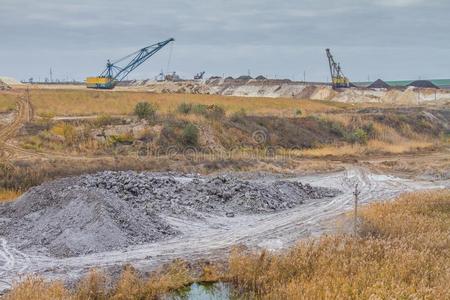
423,84
379,84
114,210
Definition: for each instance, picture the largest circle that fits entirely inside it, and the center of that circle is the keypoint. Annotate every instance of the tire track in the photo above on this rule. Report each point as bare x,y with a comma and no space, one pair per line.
24,114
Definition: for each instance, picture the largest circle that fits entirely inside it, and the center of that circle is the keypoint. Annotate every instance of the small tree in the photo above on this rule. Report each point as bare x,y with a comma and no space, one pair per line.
145,110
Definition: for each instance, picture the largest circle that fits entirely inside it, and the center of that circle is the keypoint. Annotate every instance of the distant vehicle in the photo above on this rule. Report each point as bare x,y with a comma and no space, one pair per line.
199,76
172,77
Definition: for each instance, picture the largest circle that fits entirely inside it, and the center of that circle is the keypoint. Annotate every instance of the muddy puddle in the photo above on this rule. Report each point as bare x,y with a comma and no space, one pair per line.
205,291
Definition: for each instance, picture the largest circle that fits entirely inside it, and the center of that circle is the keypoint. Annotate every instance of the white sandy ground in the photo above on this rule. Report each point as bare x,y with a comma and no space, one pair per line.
214,237
277,89
10,81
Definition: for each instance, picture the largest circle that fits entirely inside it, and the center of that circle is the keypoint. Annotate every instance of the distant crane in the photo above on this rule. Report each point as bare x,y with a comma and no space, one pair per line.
199,76
338,79
114,73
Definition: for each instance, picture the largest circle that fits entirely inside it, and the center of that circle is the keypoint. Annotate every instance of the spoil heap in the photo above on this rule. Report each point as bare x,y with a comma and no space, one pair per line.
379,84
423,84
114,210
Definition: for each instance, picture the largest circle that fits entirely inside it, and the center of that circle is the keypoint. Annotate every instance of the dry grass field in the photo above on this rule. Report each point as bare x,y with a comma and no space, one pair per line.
402,252
300,128
87,102
7,102
372,147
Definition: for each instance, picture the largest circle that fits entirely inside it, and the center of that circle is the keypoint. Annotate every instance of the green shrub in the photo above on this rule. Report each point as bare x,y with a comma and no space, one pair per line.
359,136
184,108
200,109
189,136
337,129
208,111
370,130
45,119
298,112
237,116
215,112
145,110
126,139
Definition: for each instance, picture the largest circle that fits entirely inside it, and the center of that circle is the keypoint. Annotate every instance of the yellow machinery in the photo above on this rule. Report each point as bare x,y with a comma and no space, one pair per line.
338,80
99,82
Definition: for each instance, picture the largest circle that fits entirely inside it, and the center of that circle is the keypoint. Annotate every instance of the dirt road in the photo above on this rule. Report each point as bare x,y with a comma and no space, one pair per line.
213,237
24,114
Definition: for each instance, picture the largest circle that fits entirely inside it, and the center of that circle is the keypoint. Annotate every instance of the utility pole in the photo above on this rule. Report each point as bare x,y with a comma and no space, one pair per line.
51,75
356,194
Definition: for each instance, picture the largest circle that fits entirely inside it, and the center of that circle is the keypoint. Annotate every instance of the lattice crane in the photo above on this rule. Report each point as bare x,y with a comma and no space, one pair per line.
338,79
114,73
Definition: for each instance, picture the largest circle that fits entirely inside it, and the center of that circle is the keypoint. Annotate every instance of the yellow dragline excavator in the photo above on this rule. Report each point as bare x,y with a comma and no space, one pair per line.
115,73
338,80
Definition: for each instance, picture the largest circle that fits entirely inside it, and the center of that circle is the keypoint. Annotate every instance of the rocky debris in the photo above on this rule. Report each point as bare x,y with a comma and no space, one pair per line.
114,210
67,220
212,195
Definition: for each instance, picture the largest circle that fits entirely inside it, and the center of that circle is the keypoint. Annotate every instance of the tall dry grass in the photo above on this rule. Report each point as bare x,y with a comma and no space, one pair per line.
372,147
403,253
98,286
88,102
8,194
7,102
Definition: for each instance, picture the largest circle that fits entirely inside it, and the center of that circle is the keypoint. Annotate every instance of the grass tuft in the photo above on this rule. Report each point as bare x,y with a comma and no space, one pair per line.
8,194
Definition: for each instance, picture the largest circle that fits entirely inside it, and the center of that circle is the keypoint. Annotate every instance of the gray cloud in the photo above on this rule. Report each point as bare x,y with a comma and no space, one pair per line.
392,39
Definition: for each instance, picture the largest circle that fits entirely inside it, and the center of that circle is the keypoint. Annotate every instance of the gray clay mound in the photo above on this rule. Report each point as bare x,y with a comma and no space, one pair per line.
379,84
114,210
423,84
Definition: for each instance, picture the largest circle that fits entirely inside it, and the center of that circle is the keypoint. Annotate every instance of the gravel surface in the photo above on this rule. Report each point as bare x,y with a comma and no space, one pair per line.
114,210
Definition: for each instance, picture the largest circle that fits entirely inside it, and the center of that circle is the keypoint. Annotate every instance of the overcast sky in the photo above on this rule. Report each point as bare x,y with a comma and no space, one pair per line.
389,39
